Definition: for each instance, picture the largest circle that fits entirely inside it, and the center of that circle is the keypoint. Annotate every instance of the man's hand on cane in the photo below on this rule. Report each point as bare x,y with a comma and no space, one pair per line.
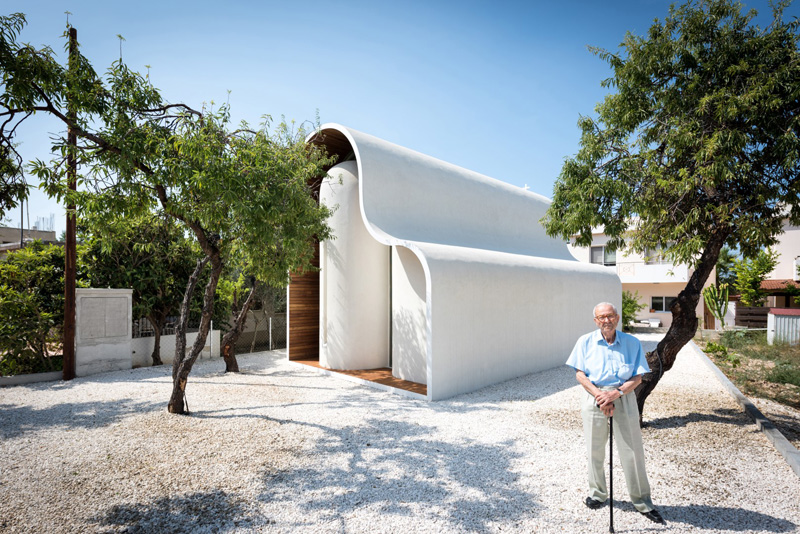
605,401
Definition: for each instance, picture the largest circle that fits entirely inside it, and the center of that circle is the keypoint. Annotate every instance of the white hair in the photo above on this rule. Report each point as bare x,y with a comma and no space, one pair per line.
594,311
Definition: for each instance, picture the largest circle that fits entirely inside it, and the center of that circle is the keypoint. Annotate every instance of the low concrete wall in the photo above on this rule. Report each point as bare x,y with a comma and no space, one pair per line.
142,348
18,380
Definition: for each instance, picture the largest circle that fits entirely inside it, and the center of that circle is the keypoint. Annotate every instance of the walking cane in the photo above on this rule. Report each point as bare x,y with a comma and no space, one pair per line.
611,473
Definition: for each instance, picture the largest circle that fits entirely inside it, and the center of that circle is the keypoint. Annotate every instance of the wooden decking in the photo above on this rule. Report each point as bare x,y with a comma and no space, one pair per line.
380,376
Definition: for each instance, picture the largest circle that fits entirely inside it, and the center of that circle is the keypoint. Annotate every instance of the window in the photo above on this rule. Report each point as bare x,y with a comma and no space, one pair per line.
661,304
655,257
603,256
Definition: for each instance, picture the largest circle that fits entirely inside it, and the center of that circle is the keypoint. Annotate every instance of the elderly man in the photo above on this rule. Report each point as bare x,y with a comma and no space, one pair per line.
609,364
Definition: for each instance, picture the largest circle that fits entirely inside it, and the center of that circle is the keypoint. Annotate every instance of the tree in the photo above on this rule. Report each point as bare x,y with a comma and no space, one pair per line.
725,274
241,301
149,254
749,275
248,302
13,188
243,191
696,149
32,308
630,307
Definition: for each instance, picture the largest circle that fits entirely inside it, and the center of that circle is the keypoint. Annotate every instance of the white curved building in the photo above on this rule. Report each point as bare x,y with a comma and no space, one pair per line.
441,274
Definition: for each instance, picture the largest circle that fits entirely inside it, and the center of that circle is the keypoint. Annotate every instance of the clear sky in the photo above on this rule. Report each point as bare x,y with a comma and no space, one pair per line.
493,86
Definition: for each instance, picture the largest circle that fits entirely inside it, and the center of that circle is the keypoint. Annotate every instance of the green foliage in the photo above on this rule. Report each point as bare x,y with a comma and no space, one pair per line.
241,192
630,307
784,373
717,301
32,308
716,349
749,275
13,188
148,254
699,139
722,353
725,274
697,145
742,337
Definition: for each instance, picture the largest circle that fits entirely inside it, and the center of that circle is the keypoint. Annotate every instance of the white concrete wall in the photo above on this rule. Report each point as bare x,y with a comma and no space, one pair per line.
502,298
409,317
142,348
103,329
354,281
526,320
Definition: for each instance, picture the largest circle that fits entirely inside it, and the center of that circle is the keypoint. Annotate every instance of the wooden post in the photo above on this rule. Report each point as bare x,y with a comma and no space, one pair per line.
70,255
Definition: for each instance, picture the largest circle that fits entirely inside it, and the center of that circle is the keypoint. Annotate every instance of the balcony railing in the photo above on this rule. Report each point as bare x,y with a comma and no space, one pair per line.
638,272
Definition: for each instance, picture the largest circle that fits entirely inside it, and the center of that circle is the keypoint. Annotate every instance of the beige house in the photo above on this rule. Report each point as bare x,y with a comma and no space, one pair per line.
657,280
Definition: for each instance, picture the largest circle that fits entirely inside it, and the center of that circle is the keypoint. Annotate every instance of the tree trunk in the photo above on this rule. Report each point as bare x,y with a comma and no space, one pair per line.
157,326
255,332
230,338
176,401
684,322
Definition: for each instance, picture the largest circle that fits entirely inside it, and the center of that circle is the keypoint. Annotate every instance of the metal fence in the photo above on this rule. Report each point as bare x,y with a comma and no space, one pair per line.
265,333
143,328
783,329
260,333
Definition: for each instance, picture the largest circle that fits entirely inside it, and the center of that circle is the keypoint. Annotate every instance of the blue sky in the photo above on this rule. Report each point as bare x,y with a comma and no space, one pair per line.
496,87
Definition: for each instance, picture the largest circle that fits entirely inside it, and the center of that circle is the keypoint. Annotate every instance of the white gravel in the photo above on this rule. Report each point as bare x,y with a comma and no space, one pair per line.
279,448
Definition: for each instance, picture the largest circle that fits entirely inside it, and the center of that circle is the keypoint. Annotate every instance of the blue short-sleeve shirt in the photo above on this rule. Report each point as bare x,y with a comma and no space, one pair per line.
608,365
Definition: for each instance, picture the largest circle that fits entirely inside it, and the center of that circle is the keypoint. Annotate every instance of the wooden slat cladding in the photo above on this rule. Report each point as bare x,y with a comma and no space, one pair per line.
304,289
381,376
304,313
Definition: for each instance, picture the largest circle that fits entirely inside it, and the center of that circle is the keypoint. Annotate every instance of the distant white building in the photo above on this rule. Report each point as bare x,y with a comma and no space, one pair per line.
657,280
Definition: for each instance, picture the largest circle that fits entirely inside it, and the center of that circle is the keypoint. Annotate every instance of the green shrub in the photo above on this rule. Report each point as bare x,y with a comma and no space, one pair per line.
26,333
31,309
742,337
630,307
722,353
716,349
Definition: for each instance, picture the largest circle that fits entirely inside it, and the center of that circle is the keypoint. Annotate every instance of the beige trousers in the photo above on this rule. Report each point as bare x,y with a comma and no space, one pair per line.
628,437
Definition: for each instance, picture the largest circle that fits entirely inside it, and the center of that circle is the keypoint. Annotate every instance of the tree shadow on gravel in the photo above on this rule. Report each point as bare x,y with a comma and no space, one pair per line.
18,420
721,415
724,518
393,468
213,511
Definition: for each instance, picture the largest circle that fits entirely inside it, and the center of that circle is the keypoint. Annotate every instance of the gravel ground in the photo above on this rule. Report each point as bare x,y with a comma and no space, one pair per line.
278,448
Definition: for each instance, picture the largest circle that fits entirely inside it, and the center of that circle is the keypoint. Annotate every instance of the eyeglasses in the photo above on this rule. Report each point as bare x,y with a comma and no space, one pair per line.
610,317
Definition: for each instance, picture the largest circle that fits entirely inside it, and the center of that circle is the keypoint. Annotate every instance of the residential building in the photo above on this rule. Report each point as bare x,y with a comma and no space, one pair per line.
785,272
656,279
10,238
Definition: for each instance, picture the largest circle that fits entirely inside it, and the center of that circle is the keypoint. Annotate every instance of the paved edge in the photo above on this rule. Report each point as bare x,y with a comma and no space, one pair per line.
779,441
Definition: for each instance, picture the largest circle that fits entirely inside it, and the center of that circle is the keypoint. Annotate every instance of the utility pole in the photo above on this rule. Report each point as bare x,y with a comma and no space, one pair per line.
70,246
